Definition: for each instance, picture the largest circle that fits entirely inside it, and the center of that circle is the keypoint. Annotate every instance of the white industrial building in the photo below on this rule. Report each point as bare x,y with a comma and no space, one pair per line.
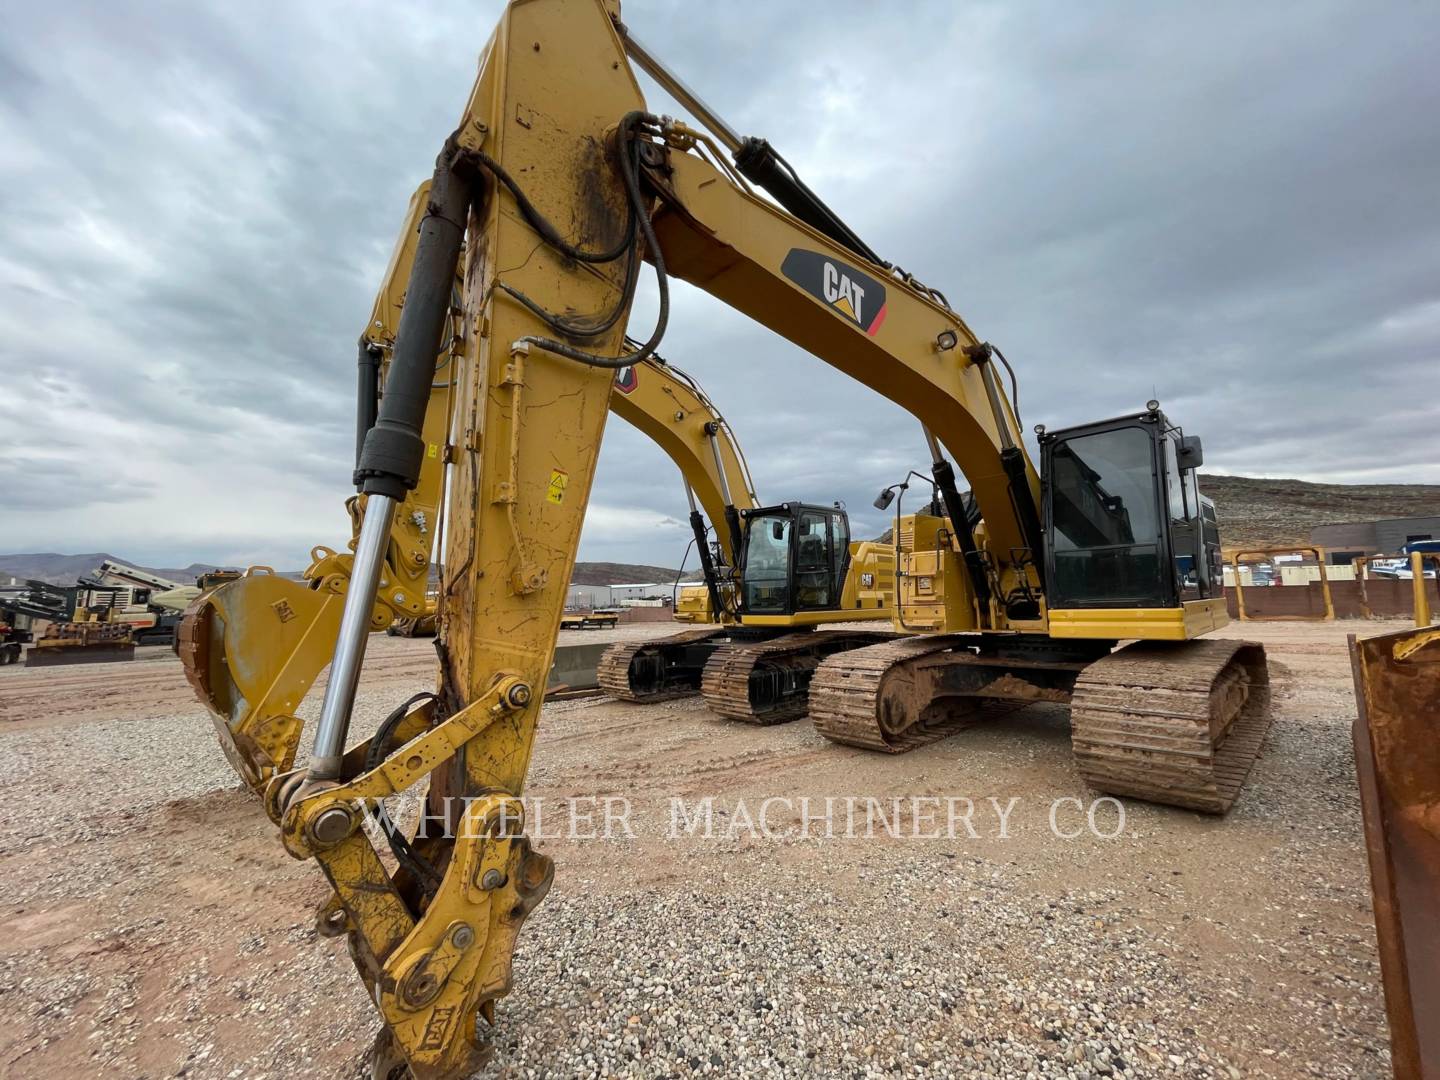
589,597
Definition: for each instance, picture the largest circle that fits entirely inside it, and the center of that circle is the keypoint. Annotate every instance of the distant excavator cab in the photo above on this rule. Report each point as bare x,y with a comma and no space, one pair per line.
794,559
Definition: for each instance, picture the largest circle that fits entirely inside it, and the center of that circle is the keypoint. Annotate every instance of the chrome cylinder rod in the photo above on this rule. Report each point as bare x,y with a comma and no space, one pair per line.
334,726
937,455
711,431
997,406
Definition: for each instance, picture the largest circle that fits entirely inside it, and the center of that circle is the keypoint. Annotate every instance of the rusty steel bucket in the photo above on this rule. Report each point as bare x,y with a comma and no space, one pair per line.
1397,757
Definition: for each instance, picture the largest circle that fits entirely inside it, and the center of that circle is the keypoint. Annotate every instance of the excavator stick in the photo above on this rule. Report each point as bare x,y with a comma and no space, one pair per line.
554,225
1397,757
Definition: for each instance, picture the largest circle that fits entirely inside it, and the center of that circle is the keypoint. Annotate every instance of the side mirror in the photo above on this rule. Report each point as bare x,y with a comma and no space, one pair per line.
1188,454
884,499
777,530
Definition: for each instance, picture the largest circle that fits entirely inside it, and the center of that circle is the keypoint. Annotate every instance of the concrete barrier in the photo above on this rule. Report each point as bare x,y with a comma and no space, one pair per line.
574,667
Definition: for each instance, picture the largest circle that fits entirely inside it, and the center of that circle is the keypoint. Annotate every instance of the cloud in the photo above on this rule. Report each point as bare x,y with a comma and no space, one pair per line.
1231,207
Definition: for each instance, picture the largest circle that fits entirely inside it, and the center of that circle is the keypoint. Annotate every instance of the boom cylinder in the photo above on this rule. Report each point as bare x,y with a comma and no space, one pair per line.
732,516
707,565
394,450
944,474
1012,460
390,460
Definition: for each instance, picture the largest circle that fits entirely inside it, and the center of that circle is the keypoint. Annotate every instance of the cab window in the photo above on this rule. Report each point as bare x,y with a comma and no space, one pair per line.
1183,527
1105,521
813,562
766,573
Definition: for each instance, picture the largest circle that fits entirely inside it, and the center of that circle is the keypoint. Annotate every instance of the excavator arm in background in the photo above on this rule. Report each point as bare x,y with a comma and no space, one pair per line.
557,183
253,703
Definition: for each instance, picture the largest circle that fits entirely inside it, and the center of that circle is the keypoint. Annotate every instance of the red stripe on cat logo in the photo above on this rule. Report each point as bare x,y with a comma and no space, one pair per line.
879,318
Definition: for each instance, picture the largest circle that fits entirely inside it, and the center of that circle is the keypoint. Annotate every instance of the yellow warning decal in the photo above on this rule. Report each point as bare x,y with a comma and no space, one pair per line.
556,491
433,450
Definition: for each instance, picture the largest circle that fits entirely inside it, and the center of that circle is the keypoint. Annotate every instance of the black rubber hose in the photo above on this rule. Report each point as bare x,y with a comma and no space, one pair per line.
628,169
1014,387
405,853
367,397
547,231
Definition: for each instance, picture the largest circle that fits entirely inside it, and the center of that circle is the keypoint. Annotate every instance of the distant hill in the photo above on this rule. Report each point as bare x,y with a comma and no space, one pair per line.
1253,510
617,573
1262,511
1258,510
64,569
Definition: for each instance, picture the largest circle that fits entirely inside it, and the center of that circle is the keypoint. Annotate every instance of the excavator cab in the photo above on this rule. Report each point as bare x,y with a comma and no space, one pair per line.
794,559
1125,525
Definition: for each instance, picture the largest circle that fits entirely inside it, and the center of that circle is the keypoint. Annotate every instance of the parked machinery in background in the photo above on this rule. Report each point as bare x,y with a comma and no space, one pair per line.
92,634
12,641
24,604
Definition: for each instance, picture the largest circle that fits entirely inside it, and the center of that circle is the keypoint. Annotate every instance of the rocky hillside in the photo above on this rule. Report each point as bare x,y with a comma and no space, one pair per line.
1254,510
60,569
617,573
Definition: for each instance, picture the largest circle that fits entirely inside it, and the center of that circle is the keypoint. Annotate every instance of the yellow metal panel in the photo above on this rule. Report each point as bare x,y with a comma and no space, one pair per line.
1182,623
1203,616
815,618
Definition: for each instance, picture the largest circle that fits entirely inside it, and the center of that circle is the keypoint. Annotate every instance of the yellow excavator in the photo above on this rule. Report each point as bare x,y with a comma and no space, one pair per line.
559,185
771,578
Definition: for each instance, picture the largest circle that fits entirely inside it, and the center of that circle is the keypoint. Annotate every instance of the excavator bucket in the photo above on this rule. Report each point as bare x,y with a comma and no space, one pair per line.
1397,757
251,650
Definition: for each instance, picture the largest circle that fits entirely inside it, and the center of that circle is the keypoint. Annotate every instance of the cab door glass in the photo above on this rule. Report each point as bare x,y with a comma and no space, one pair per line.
840,551
1105,520
814,566
1182,528
766,574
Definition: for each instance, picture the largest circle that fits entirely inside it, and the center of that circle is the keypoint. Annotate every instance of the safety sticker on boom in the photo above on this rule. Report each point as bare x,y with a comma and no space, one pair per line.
559,480
850,293
627,378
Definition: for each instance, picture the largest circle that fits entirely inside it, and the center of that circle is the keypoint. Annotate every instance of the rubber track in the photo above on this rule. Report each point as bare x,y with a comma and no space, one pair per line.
613,670
1178,723
725,683
845,699
1155,720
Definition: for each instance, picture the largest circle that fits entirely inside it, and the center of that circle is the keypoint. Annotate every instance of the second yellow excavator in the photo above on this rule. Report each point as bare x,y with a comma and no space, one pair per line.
772,578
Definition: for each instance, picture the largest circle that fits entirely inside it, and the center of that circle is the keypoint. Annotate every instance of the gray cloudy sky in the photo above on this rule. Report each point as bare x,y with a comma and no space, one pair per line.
1233,207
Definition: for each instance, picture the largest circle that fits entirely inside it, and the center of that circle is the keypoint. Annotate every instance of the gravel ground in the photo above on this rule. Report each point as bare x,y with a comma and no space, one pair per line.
154,928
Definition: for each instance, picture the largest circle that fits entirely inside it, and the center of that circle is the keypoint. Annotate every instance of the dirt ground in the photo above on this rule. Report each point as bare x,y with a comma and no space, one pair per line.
151,925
